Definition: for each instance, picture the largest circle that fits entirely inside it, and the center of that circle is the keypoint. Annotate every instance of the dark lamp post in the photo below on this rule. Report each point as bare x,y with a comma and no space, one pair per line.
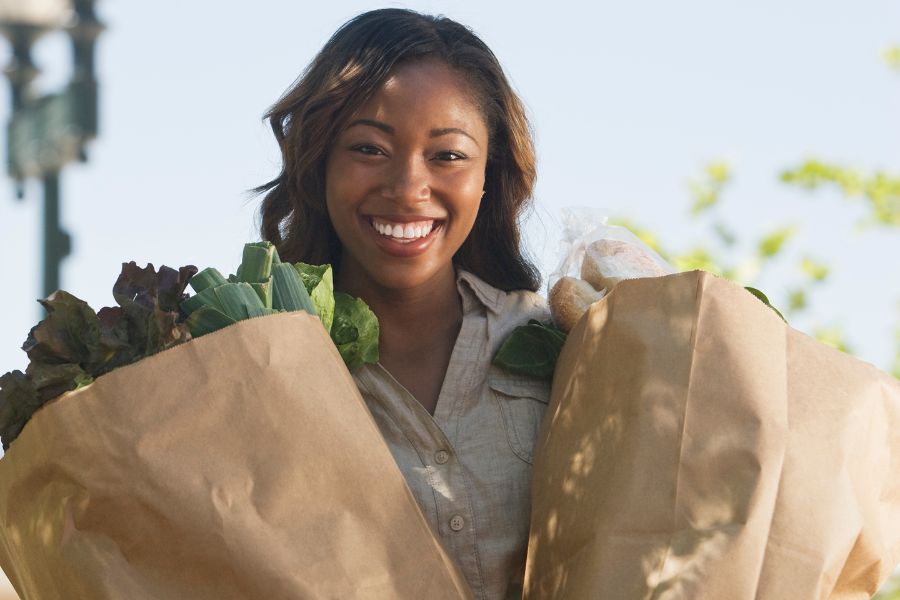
48,132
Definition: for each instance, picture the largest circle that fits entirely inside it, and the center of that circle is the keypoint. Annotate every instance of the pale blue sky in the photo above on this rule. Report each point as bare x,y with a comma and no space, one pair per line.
627,100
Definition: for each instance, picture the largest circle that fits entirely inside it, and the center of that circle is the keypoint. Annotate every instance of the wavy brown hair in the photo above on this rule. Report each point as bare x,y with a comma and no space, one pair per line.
343,76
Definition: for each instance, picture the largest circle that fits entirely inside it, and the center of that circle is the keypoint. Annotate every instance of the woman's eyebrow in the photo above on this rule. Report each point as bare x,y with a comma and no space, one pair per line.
390,130
446,130
372,123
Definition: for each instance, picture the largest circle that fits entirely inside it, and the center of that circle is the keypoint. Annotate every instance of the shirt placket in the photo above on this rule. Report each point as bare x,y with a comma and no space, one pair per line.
456,514
433,438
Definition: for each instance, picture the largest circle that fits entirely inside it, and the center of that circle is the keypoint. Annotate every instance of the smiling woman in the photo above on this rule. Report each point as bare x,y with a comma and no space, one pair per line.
407,162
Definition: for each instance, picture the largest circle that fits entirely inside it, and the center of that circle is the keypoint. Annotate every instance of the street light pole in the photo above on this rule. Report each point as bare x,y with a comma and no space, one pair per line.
57,243
46,133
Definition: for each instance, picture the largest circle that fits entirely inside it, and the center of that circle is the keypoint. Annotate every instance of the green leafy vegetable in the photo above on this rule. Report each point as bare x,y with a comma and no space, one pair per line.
18,401
72,345
531,349
319,283
207,278
207,319
354,331
262,286
281,286
257,261
289,291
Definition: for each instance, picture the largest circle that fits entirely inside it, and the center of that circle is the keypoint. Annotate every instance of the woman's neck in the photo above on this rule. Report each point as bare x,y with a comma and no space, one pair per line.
428,314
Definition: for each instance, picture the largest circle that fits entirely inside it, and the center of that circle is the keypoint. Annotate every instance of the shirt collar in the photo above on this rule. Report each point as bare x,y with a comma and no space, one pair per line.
489,296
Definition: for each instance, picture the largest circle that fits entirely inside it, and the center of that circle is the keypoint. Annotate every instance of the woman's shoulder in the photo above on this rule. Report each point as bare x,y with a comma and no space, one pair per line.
526,302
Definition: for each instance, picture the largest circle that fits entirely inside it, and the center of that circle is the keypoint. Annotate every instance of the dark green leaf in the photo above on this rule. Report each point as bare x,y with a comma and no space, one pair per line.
765,300
115,348
531,349
18,401
54,380
170,286
69,333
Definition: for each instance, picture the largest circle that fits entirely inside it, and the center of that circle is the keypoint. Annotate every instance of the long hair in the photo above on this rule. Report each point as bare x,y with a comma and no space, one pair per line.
343,76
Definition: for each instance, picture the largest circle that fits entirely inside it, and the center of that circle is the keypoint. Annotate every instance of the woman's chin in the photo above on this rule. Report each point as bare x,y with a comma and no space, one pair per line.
408,278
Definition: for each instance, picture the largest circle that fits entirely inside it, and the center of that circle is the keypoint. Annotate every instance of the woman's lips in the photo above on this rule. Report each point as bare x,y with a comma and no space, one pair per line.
413,234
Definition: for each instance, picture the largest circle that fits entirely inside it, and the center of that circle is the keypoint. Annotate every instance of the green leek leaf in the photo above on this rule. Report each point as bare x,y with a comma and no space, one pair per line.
264,291
206,278
239,301
288,291
207,319
207,297
256,264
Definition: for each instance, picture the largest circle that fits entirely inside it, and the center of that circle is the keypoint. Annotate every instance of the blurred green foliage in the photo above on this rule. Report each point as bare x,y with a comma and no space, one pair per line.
707,188
879,189
772,243
813,269
891,56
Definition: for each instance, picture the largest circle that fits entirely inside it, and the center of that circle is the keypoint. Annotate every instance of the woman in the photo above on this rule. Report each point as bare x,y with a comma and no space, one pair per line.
407,161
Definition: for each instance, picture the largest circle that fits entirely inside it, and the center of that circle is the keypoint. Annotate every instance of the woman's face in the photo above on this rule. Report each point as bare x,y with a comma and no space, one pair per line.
405,177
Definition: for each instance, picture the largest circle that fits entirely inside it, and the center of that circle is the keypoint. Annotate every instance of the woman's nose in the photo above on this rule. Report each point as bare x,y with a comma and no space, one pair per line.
408,181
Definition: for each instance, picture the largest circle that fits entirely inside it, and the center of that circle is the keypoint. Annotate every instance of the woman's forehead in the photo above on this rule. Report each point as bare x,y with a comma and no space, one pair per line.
425,89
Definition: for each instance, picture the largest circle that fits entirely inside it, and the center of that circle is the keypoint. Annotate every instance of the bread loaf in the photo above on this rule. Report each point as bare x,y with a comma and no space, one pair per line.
569,299
607,262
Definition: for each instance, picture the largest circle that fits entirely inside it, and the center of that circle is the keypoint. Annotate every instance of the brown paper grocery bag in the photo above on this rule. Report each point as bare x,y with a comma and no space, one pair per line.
241,465
696,447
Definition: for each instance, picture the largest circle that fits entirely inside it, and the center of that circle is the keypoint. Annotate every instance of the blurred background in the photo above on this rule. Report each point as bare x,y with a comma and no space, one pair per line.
757,140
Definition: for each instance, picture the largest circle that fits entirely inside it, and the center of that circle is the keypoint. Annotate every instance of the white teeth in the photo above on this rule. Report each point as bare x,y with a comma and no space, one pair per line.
405,232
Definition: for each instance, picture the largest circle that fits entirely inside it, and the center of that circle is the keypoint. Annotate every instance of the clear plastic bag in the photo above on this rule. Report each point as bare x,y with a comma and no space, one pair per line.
595,256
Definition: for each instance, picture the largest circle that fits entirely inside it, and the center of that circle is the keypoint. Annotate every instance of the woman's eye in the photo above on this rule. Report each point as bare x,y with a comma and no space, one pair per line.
368,149
450,155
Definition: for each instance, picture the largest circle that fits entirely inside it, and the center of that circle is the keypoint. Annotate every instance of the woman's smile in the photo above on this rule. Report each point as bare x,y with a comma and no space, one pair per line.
403,239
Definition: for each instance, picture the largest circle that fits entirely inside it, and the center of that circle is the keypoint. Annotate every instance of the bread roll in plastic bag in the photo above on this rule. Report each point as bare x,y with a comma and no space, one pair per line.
595,257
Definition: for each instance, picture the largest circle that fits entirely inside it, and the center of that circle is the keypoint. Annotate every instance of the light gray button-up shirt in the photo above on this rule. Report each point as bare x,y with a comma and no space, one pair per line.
469,466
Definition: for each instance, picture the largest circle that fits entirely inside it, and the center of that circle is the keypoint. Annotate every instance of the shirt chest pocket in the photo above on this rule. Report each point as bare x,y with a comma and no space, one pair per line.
522,403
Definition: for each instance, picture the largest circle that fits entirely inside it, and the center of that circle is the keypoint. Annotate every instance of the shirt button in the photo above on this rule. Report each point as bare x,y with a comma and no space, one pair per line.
457,523
441,456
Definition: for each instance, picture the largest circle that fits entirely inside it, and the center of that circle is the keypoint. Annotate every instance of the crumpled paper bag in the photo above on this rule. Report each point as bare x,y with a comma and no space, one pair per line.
696,447
241,465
